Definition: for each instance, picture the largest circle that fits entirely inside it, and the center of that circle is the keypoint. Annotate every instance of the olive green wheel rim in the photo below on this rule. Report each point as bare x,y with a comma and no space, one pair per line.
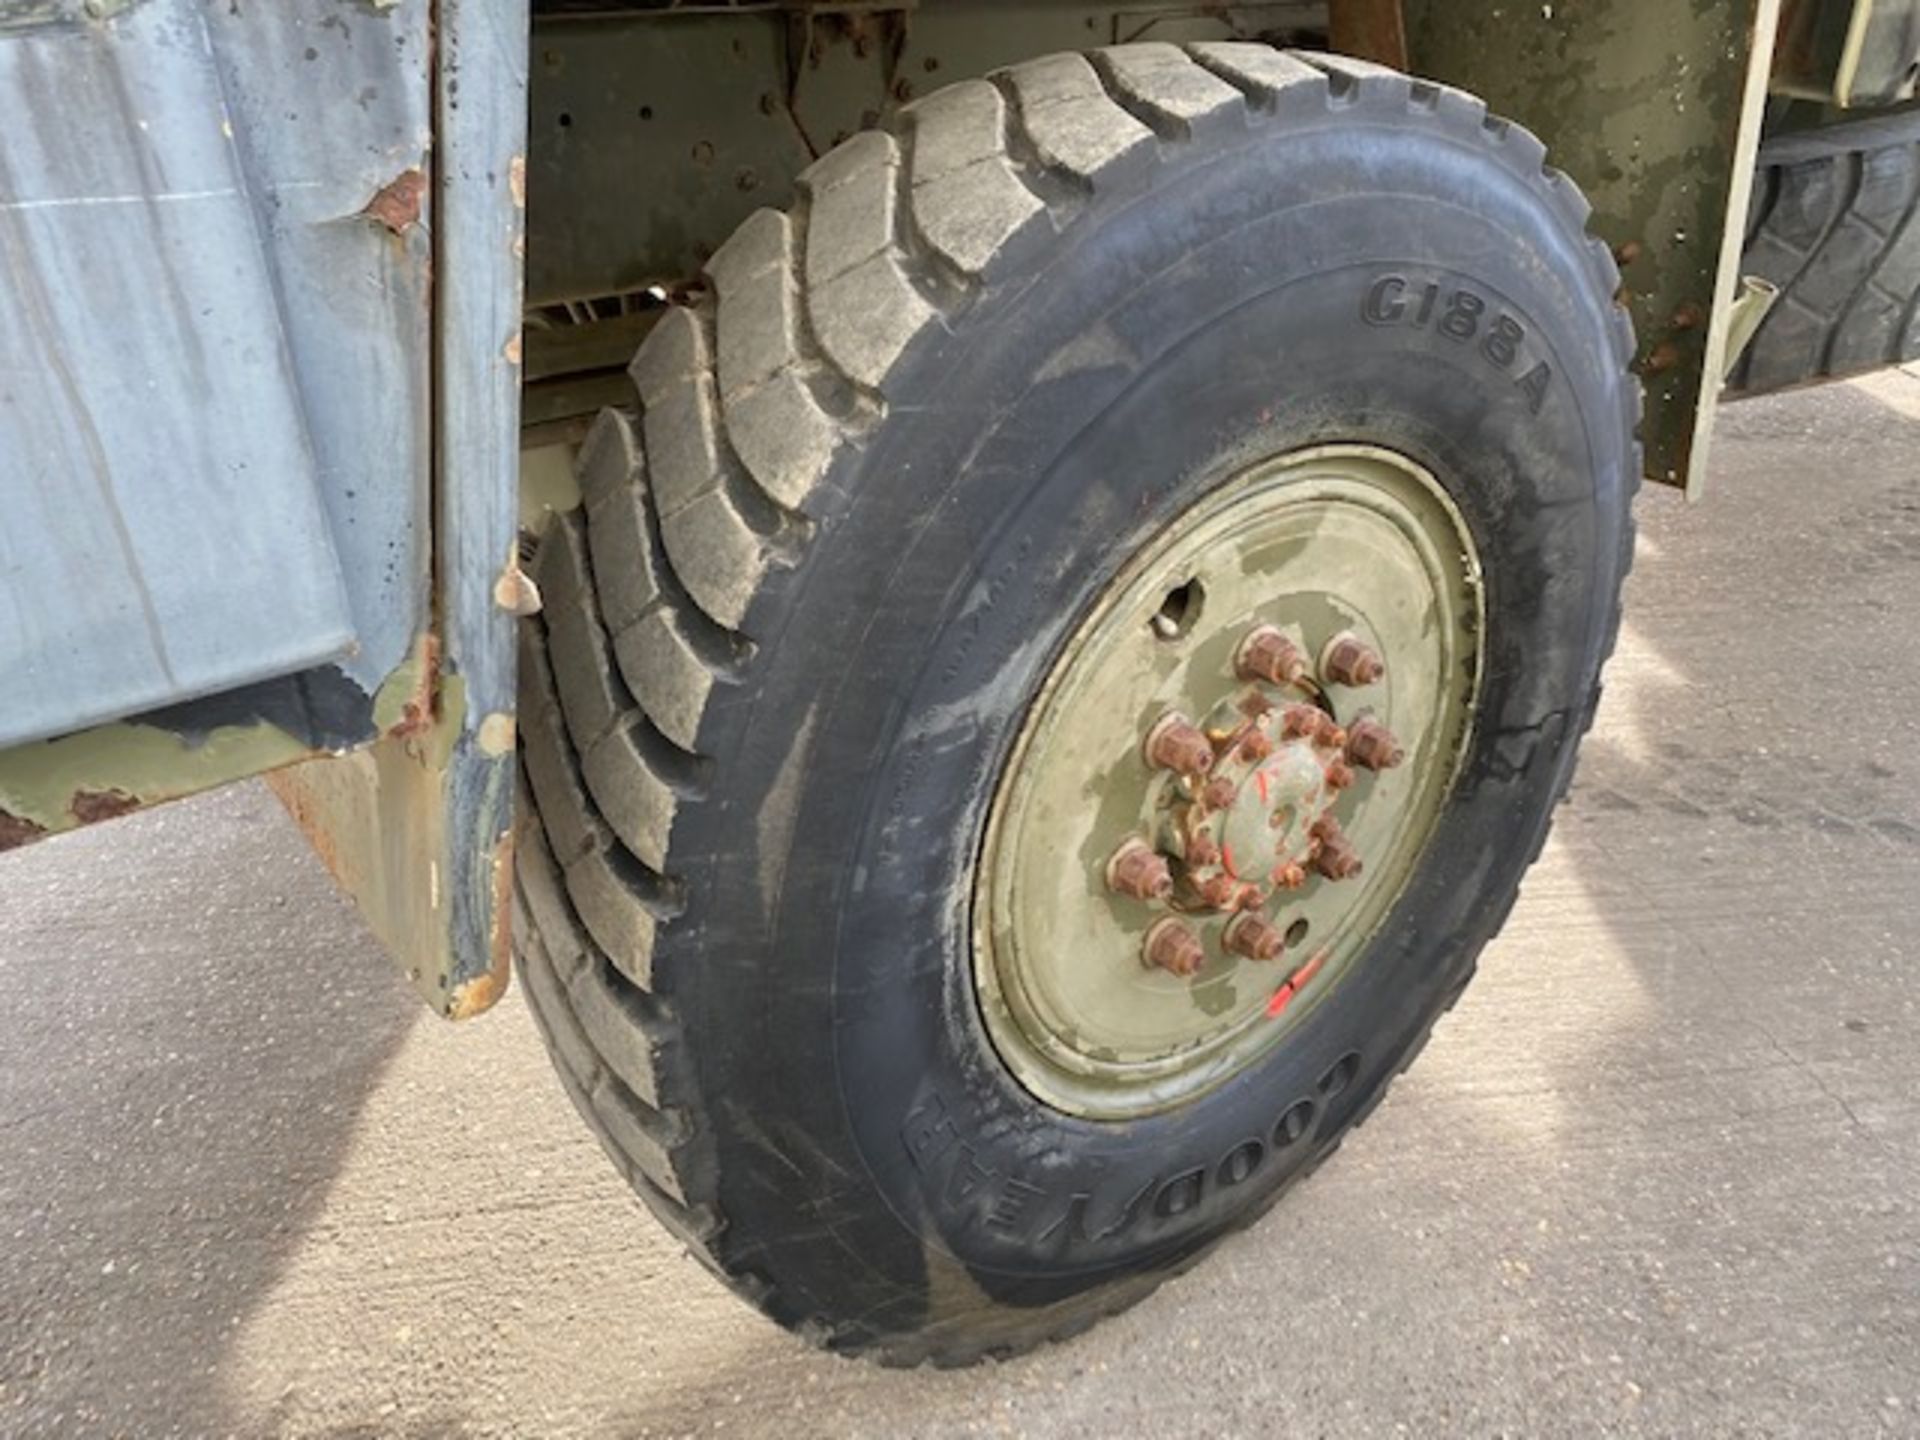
1210,750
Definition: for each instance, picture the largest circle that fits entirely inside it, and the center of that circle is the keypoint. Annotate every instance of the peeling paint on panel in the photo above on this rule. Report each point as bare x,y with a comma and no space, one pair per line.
515,590
15,832
42,784
89,807
496,734
396,204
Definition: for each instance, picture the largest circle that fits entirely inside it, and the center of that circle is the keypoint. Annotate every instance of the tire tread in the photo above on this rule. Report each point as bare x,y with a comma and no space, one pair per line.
1835,224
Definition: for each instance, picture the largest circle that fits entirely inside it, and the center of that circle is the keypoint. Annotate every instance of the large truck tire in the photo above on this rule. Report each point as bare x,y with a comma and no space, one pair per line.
1835,224
1131,458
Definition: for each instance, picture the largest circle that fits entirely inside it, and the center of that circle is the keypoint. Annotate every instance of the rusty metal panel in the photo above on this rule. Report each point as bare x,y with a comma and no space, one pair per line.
1373,30
417,827
1654,108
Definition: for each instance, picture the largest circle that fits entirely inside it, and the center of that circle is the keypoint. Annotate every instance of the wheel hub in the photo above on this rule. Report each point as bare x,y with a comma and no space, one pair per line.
1260,816
1213,802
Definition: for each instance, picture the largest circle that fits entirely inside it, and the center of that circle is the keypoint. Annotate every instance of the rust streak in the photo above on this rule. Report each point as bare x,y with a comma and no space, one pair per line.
286,784
416,714
396,204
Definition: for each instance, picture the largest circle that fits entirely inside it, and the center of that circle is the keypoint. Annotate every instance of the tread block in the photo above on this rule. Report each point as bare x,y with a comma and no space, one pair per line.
865,317
1866,337
717,556
757,332
969,202
669,678
1887,182
610,462
543,893
674,350
582,668
682,426
1181,98
1846,258
956,127
637,803
614,915
613,476
622,552
620,1034
853,216
972,217
1270,78
1348,74
1053,79
1072,123
547,997
639,1134
782,437
576,644
1787,349
572,828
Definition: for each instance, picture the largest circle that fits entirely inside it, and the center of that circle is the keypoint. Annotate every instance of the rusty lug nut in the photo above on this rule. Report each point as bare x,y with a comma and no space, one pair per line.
1172,947
1256,747
1218,794
1329,732
1174,743
1337,860
1220,892
1135,870
1339,774
1250,934
1349,660
1371,746
1202,851
1266,654
1301,721
1290,876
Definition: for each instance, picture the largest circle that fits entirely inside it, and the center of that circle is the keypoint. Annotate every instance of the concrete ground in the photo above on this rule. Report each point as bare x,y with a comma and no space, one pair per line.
1657,1174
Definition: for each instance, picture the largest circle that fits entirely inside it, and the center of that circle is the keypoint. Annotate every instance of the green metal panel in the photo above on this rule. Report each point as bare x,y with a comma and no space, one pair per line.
1653,107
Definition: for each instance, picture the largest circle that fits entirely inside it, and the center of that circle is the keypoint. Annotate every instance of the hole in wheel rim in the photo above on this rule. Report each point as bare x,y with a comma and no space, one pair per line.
1179,612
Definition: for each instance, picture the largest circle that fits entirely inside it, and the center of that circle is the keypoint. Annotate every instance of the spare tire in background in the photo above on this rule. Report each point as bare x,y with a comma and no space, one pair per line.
1835,224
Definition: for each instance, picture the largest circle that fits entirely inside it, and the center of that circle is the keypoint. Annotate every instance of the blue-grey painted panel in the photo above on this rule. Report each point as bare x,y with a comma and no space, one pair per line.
334,96
483,139
154,470
214,351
